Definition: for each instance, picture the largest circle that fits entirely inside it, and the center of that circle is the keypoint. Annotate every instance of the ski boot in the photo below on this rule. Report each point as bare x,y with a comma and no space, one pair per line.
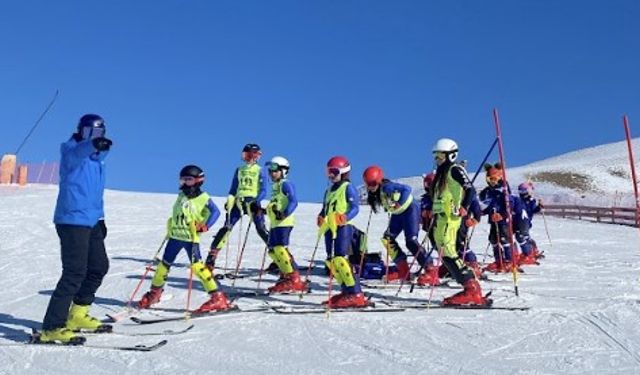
401,272
62,335
528,259
217,302
470,295
80,320
348,300
429,276
289,283
150,298
475,267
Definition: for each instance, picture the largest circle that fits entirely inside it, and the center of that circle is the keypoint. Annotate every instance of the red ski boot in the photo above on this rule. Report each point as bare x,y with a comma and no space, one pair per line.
471,295
401,272
528,259
429,277
151,297
289,283
348,300
217,302
475,267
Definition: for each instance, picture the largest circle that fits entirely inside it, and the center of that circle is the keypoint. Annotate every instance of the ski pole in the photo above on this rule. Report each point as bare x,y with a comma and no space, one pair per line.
148,267
440,252
313,255
194,234
264,258
366,234
244,245
546,228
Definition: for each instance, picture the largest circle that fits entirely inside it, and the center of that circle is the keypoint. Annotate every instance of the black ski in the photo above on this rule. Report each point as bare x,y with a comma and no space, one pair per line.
194,315
166,332
34,339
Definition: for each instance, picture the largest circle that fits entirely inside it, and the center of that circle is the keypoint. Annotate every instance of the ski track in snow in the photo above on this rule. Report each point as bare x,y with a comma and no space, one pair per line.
584,301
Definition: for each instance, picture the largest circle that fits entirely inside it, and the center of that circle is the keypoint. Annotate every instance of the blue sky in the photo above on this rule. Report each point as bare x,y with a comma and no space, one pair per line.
183,82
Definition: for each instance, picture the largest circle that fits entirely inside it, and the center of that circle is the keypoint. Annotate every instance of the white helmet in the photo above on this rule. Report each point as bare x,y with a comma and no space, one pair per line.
448,146
279,163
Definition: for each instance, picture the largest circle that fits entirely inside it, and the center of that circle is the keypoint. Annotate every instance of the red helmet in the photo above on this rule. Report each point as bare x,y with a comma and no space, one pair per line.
373,176
338,165
427,180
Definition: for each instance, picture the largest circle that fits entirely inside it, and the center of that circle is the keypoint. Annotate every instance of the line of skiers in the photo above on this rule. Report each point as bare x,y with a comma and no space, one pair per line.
447,210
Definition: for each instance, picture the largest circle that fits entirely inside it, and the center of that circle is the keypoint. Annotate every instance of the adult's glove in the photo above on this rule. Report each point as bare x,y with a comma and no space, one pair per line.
102,143
496,217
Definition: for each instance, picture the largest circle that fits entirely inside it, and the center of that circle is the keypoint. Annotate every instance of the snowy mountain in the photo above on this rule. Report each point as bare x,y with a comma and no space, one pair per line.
583,299
597,176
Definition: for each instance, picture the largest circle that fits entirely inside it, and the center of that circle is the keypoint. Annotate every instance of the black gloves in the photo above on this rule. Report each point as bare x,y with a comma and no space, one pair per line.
102,143
255,208
103,227
278,214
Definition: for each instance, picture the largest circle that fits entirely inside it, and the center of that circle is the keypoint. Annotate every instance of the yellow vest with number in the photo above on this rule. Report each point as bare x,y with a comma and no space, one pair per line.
186,214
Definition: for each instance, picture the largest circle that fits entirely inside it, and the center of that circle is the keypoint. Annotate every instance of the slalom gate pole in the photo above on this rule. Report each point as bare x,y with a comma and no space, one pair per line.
366,234
33,128
627,132
507,202
148,267
493,145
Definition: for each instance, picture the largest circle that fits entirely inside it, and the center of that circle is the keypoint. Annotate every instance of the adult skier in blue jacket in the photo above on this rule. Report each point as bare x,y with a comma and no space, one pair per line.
79,221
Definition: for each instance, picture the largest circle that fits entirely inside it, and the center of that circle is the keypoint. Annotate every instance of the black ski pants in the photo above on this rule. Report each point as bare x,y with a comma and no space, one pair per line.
84,265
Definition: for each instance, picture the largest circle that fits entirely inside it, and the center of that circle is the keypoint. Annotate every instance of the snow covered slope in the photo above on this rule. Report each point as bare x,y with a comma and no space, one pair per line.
593,176
584,301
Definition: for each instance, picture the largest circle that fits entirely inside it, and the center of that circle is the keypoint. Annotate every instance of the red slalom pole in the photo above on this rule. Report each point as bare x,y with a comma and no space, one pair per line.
514,252
627,133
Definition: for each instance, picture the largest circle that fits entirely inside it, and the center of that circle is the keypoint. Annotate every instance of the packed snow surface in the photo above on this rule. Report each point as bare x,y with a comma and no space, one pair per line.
584,300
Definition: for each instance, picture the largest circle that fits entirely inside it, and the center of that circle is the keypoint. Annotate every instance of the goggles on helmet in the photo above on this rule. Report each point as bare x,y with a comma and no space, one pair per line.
334,171
90,132
189,180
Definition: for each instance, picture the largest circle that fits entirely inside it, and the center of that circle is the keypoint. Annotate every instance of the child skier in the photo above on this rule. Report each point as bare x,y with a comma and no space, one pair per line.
248,188
532,206
280,211
493,204
396,199
193,212
334,220
451,194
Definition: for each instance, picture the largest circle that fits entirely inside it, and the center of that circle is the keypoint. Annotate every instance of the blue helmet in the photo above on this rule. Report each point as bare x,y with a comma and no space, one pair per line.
91,126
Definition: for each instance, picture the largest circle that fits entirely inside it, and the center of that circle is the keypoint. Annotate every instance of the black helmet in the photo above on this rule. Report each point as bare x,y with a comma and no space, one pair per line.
192,171
91,126
251,147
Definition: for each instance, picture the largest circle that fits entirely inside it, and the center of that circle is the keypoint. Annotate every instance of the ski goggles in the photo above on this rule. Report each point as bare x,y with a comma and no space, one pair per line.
272,167
90,132
439,156
335,172
190,180
251,155
493,179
